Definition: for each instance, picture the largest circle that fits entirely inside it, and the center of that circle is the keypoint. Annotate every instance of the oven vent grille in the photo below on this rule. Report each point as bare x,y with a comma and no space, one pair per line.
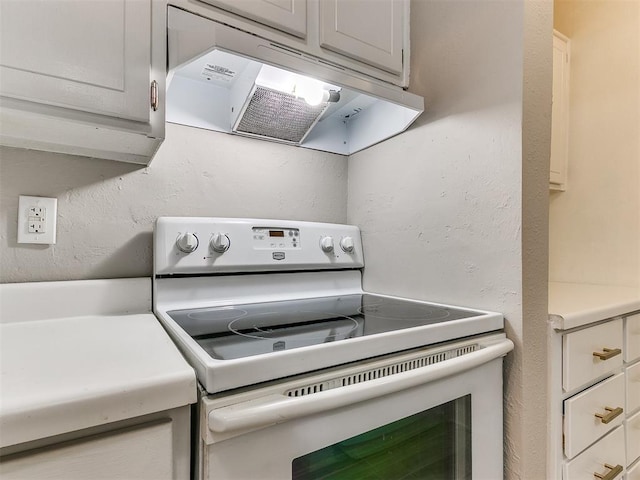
380,372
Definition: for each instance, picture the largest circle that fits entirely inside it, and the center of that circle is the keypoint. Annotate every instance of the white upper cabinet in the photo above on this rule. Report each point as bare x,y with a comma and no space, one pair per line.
77,76
560,113
370,32
364,36
91,56
287,15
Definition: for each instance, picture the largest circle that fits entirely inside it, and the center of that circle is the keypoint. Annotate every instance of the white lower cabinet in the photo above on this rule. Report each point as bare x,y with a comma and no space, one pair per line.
591,414
634,472
632,377
632,338
595,395
633,438
155,447
590,353
604,458
143,452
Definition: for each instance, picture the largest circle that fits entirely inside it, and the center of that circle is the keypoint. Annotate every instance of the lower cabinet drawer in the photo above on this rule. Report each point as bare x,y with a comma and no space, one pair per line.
634,472
632,338
591,414
632,430
633,387
606,455
591,353
143,452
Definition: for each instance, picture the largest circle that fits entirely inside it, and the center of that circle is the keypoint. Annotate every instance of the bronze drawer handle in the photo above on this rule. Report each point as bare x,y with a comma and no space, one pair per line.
607,353
611,474
607,417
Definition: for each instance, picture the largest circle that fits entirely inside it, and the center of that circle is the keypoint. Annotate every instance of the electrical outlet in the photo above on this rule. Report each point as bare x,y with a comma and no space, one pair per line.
37,219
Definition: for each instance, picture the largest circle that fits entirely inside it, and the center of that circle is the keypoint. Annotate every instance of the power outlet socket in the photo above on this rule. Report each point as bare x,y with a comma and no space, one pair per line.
37,219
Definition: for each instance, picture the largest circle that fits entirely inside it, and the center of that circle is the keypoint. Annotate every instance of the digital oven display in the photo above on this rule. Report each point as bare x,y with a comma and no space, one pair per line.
274,238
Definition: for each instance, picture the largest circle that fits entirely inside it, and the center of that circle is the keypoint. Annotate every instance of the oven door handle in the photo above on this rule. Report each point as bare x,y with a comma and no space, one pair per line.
272,409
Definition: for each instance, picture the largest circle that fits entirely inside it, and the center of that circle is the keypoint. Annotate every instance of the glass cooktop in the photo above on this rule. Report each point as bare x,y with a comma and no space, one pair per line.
239,331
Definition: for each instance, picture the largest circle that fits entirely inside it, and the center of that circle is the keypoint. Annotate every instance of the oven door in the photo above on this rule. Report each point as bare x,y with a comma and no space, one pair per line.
439,421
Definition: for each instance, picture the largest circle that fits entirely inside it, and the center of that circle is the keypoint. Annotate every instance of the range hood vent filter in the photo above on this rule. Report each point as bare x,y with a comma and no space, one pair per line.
278,115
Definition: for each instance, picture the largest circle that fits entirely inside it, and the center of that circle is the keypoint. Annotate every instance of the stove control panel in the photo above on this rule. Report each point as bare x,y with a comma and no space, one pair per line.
202,245
276,238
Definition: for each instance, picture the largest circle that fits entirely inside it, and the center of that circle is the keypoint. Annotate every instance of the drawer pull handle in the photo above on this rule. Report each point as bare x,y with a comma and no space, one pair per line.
607,353
611,474
607,417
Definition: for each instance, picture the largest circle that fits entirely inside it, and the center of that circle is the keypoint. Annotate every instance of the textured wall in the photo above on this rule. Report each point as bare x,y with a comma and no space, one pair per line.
595,224
532,382
106,209
442,207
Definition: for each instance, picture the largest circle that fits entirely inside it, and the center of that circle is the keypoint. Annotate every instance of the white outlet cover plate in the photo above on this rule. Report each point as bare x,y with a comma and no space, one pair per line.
37,219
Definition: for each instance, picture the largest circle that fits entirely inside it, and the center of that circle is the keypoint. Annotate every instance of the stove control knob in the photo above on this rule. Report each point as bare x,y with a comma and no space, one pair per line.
187,242
219,242
326,244
346,243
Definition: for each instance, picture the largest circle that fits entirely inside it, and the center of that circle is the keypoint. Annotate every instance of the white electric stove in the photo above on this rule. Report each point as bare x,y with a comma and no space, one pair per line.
272,316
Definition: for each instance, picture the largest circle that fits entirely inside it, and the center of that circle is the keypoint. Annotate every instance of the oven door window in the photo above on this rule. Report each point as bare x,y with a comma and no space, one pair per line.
433,444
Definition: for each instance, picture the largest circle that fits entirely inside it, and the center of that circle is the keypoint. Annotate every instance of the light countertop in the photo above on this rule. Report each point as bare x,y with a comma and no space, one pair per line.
79,354
575,304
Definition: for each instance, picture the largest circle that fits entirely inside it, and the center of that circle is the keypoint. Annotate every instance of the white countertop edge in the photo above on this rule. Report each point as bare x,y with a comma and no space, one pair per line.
578,319
574,305
100,369
47,420
63,299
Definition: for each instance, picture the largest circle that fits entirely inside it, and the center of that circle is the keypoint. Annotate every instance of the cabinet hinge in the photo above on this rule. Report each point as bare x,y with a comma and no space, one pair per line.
154,95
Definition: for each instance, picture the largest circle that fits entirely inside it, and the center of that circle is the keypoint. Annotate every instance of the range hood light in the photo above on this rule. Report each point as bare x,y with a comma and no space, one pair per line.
312,91
316,97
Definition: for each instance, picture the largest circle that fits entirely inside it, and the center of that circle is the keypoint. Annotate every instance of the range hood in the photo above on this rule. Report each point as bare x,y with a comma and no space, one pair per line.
227,80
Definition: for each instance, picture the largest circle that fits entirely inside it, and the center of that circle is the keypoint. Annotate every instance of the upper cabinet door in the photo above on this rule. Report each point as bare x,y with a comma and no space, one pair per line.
93,56
371,32
287,15
559,114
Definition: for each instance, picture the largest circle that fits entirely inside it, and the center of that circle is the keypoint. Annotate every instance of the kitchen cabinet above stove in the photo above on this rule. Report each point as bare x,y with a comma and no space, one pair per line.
92,80
77,77
369,37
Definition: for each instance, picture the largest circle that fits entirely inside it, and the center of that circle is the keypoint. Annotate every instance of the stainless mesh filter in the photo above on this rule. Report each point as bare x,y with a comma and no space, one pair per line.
278,115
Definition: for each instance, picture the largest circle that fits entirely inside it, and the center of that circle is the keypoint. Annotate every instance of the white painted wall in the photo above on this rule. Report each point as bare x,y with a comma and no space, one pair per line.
442,208
106,209
595,225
